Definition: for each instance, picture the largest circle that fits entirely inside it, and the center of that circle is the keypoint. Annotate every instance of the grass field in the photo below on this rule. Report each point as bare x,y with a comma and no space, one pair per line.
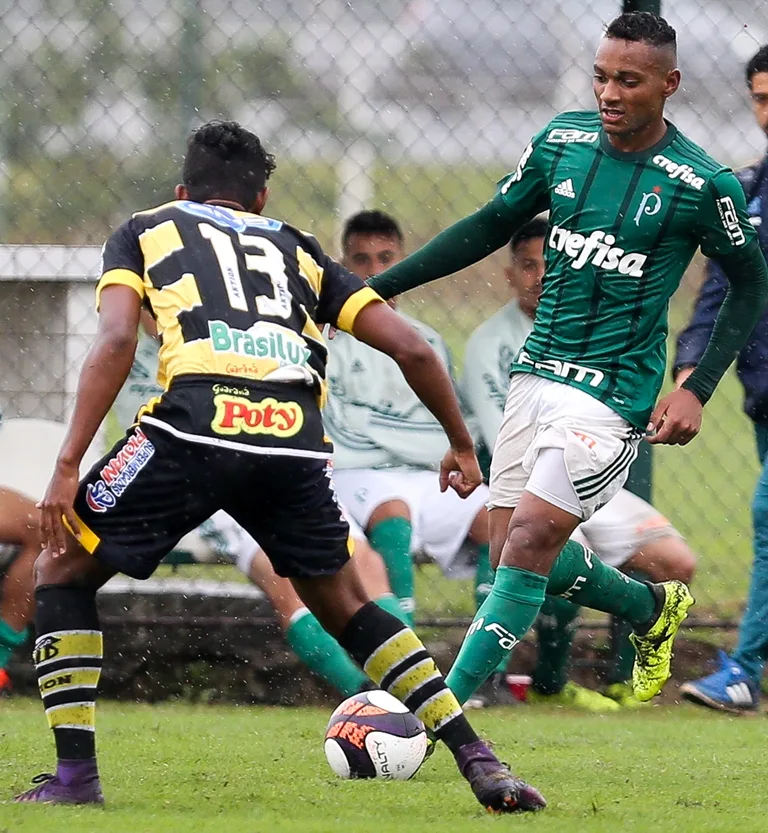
236,769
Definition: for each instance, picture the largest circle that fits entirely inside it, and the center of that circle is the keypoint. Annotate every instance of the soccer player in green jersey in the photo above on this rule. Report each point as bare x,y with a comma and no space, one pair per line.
630,200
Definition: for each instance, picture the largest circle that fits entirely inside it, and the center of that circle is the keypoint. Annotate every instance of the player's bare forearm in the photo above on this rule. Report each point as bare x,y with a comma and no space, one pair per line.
105,370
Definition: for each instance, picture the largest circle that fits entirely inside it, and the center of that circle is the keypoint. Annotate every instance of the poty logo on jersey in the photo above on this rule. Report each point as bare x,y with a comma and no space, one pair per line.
730,219
684,173
598,249
564,136
119,472
262,341
235,415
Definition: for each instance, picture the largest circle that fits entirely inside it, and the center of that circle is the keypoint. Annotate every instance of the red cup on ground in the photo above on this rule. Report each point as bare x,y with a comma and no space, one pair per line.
518,685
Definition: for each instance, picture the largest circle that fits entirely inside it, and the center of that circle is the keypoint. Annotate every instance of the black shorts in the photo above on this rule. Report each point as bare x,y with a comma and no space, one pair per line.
152,488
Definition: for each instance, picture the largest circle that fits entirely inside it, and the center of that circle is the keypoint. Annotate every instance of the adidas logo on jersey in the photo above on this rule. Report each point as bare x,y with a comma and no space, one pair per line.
565,189
597,249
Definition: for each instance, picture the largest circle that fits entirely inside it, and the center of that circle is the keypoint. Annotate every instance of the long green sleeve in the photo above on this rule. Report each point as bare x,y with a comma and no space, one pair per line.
460,245
745,302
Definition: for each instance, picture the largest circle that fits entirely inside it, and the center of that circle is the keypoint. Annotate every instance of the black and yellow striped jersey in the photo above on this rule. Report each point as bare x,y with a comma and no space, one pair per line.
234,294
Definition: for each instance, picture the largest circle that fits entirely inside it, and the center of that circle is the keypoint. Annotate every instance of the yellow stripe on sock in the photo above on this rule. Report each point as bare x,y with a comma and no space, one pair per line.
404,685
52,647
439,710
391,653
72,715
68,678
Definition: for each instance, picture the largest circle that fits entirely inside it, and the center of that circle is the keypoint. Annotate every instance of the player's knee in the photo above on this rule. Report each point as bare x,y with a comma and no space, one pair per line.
531,542
388,510
74,567
669,559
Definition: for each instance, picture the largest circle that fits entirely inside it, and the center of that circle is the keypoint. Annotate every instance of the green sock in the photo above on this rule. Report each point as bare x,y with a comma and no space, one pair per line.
579,575
555,626
392,540
622,650
392,605
503,619
484,577
319,651
9,640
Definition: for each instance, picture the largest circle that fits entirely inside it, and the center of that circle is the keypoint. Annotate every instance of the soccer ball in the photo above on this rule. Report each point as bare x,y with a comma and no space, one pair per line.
373,735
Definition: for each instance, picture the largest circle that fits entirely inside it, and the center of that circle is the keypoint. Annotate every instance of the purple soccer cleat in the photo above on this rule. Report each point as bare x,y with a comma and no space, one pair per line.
75,782
493,784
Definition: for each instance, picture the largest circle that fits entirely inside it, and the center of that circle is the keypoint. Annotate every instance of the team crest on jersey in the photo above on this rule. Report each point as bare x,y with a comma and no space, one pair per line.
650,204
119,472
237,415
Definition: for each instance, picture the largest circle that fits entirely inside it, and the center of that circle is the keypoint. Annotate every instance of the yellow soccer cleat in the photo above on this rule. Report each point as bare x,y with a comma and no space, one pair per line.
654,648
573,696
624,695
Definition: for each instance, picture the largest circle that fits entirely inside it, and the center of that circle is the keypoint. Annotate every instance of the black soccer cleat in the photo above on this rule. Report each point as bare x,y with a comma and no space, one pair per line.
493,784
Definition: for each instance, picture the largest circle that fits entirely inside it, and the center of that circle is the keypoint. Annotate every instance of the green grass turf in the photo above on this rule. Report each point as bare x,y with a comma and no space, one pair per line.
183,768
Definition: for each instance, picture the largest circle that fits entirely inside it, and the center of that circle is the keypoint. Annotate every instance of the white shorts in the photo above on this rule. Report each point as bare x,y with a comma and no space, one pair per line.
623,527
597,447
440,520
228,541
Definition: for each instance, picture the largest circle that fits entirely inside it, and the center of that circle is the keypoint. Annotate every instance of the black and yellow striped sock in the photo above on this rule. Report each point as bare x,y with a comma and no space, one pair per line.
68,656
394,658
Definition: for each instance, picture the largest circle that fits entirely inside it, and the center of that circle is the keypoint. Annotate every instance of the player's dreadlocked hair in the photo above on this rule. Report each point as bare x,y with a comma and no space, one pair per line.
227,161
537,227
371,222
643,26
757,63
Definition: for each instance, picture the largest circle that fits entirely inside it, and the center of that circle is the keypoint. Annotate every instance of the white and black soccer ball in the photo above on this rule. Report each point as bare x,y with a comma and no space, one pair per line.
373,735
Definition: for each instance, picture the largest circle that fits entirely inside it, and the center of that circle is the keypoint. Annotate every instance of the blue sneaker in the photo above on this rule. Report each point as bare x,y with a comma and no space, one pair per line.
729,690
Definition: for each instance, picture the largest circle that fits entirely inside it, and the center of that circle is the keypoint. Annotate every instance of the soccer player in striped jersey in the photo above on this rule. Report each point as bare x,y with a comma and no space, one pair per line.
631,199
627,533
239,300
228,541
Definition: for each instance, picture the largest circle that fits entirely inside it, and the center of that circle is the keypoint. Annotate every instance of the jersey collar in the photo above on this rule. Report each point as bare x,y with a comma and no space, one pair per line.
639,155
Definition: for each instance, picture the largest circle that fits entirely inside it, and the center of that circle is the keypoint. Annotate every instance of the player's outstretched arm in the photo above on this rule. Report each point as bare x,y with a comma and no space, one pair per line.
677,417
105,370
382,328
460,245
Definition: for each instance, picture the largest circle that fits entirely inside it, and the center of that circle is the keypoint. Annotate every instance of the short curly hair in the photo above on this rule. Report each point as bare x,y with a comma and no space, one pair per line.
643,27
225,160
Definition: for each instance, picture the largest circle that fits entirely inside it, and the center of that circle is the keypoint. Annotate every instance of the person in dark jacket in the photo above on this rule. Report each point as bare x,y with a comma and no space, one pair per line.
735,686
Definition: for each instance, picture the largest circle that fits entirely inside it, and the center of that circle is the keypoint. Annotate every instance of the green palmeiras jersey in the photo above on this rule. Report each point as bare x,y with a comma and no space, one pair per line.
623,228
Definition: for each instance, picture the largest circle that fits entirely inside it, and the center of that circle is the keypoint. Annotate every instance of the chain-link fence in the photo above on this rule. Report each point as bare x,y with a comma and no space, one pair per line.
414,107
